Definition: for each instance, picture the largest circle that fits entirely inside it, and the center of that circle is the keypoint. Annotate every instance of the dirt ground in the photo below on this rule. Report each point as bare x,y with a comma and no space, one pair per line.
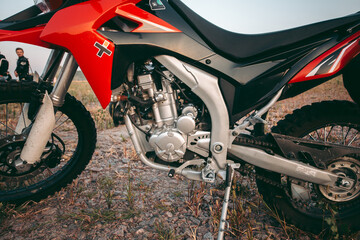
117,197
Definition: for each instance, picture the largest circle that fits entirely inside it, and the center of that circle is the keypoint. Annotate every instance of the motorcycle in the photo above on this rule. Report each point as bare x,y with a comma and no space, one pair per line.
194,99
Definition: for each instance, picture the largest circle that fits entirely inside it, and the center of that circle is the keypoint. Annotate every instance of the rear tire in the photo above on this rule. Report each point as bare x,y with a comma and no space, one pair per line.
305,215
351,79
76,129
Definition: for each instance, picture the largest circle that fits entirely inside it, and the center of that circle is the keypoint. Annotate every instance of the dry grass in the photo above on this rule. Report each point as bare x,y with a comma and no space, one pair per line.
111,196
83,92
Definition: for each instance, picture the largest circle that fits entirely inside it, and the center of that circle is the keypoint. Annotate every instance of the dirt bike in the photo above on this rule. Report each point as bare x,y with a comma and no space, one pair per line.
194,99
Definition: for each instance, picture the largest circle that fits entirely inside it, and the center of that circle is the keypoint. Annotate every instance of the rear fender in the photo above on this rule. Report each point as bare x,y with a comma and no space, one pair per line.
331,62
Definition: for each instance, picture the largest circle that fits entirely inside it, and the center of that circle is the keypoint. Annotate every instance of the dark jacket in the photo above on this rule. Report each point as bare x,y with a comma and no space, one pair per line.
3,67
22,67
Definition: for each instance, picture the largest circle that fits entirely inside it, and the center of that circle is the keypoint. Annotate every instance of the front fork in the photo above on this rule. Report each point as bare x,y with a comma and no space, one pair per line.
44,123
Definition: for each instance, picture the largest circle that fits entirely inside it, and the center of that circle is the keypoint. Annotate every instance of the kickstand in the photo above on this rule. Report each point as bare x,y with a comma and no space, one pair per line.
229,177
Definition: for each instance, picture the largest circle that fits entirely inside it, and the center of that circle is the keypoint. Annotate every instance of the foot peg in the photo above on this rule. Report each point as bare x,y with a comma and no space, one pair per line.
171,173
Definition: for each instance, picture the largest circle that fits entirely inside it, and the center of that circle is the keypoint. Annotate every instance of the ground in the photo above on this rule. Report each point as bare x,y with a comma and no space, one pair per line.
117,197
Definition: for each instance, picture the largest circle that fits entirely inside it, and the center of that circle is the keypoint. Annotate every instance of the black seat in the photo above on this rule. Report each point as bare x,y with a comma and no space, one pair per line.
238,47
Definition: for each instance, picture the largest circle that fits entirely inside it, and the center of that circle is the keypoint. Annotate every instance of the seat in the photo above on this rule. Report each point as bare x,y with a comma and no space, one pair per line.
238,47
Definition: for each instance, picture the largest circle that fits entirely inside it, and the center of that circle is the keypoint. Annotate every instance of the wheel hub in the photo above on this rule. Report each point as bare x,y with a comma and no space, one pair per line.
345,167
10,161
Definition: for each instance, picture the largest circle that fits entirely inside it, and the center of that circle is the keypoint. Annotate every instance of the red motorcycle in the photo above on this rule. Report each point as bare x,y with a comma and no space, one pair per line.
194,98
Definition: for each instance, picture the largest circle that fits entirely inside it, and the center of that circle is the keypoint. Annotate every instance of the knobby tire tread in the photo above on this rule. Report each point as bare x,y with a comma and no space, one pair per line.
14,91
295,124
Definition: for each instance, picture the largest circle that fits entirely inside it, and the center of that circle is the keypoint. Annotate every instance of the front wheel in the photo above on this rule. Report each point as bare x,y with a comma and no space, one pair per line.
309,206
67,153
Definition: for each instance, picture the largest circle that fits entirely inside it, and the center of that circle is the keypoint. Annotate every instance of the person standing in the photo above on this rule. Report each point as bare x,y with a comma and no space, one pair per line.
4,67
22,66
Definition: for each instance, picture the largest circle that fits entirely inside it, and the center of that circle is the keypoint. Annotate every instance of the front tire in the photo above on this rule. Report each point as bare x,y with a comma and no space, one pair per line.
317,213
74,131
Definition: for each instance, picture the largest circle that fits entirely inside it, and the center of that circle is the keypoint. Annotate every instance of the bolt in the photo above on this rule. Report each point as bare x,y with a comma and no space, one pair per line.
234,133
218,148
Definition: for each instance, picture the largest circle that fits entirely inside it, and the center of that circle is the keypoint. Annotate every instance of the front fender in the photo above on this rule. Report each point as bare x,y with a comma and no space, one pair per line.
75,28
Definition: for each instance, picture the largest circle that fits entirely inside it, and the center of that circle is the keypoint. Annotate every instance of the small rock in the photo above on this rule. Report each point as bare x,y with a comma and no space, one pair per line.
140,205
168,204
208,236
151,222
120,232
117,193
169,214
195,220
140,231
143,223
207,198
95,169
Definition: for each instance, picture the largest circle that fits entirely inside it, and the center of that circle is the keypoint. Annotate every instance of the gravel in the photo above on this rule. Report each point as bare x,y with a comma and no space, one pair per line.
145,203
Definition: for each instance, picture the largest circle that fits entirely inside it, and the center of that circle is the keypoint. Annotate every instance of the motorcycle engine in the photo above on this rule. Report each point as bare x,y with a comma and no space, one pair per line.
171,120
170,142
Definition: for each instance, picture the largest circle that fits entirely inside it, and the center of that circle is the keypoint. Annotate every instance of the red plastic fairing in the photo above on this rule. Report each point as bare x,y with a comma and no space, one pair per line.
334,60
147,22
75,28
31,36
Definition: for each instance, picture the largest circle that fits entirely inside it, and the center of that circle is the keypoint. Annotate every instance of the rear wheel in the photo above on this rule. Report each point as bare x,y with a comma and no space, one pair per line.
351,79
67,153
309,206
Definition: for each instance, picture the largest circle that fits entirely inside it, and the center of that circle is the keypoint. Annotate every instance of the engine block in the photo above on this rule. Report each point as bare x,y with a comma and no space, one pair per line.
169,144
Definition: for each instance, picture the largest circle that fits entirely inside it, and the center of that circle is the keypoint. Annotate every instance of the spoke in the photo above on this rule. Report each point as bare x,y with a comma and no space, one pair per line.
61,124
346,135
354,138
317,133
59,117
311,137
51,172
325,134
1,123
329,132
